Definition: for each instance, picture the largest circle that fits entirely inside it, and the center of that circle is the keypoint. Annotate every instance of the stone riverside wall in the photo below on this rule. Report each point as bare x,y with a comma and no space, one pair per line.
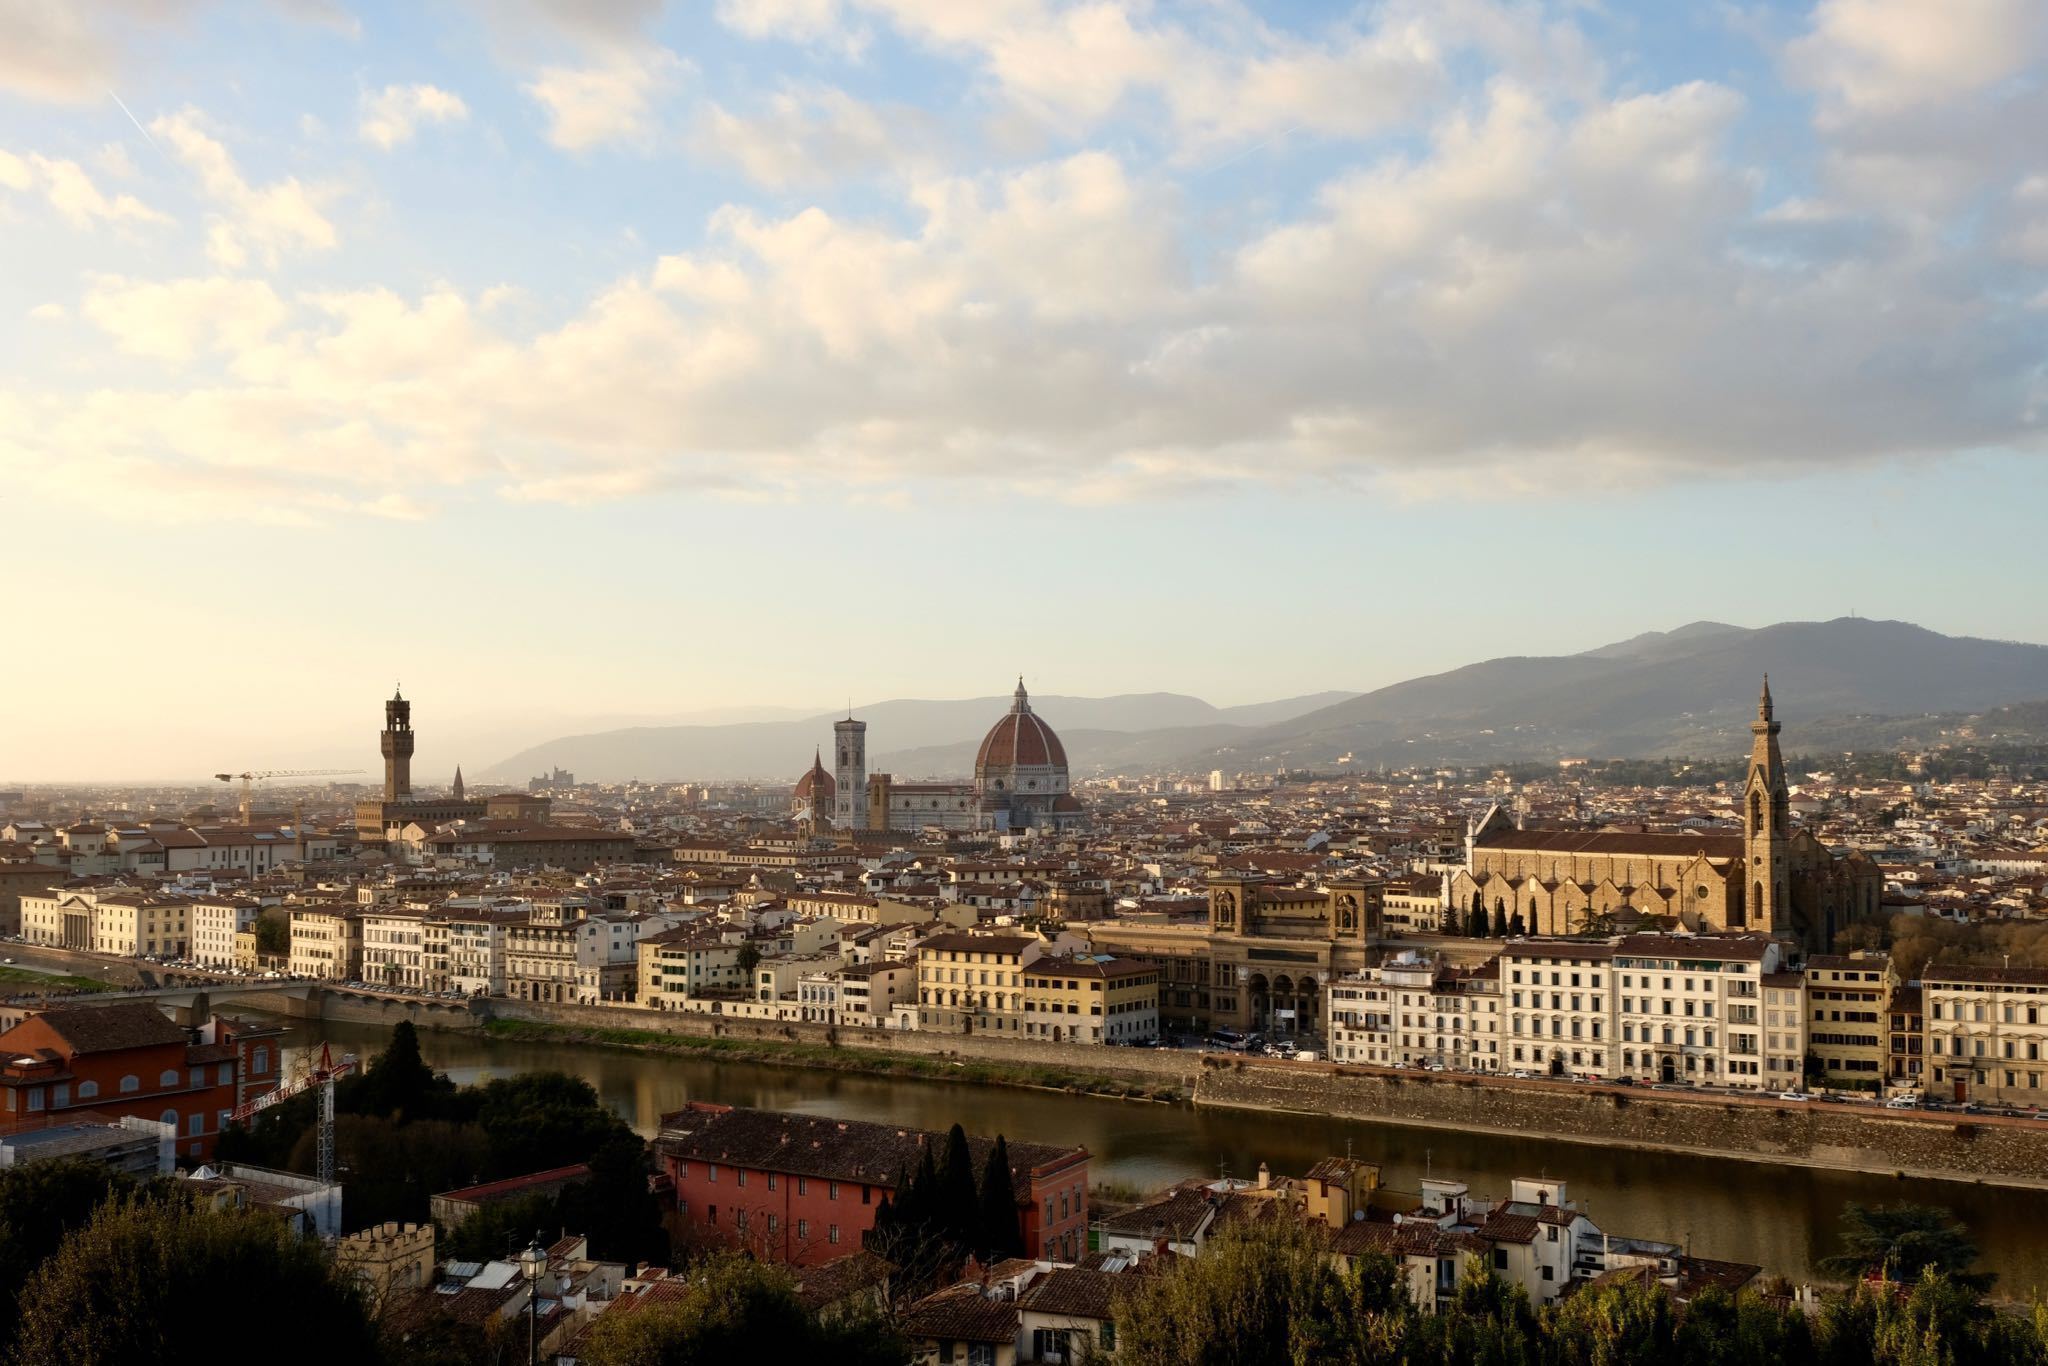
1159,1067
1938,1147
353,1008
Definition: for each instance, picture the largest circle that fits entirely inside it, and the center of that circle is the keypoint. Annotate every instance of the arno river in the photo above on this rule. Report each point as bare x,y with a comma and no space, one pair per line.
1778,1217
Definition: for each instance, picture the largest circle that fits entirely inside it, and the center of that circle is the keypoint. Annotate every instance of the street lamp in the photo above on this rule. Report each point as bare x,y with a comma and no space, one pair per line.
533,1263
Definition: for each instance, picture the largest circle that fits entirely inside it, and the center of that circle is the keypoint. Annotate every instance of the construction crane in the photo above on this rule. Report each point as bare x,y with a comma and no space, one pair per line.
260,774
320,1077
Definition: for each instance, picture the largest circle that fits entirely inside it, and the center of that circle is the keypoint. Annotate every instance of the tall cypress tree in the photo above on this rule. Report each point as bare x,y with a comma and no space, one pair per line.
1002,1232
958,1203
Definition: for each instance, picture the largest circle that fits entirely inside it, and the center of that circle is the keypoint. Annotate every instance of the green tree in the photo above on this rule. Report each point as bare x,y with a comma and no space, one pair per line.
615,1209
273,935
1000,1232
958,1199
398,1083
1478,920
738,1310
541,1120
1903,1240
40,1203
142,1281
1609,1325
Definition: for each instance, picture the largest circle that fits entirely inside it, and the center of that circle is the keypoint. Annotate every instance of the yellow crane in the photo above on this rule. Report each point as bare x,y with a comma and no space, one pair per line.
259,774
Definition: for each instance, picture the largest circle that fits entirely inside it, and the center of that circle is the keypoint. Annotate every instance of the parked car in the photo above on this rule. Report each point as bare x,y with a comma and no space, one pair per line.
1307,1055
1793,1095
1902,1103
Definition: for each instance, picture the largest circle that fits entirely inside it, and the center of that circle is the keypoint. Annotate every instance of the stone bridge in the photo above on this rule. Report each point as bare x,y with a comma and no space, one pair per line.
301,1000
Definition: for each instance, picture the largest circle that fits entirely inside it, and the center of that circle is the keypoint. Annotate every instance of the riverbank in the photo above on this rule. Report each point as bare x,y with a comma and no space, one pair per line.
834,1057
1905,1145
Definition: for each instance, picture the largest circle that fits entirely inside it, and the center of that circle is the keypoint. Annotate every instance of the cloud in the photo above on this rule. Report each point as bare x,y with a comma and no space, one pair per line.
611,99
270,219
71,192
392,115
1890,55
814,135
72,51
175,319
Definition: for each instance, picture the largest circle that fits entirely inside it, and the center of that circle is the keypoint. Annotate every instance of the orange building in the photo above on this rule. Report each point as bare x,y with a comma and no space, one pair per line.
129,1059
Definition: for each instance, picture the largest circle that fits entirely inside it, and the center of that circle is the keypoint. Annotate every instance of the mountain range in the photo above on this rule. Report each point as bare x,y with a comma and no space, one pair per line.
1689,691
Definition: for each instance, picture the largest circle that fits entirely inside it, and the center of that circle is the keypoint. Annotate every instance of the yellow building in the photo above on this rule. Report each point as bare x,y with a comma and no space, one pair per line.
1987,1032
327,944
1091,999
973,983
1847,1003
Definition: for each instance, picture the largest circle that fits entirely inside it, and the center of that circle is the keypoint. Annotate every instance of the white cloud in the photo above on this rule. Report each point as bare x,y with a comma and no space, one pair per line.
611,99
175,319
1888,55
71,192
813,135
270,219
392,115
72,51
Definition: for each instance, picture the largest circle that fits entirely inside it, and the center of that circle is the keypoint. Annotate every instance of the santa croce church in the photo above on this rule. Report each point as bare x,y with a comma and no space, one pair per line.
1770,877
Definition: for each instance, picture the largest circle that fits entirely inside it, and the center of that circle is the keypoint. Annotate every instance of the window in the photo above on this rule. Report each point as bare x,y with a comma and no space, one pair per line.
169,1079
130,1083
88,1089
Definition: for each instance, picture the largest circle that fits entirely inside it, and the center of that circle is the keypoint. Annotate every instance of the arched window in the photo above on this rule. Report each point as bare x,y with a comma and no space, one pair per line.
169,1078
131,1082
170,1117
88,1089
1756,812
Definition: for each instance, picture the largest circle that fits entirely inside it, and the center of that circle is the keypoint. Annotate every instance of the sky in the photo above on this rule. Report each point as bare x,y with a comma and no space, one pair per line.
572,360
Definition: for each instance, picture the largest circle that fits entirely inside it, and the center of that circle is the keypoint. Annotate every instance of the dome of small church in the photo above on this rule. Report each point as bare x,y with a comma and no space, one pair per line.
1020,740
817,785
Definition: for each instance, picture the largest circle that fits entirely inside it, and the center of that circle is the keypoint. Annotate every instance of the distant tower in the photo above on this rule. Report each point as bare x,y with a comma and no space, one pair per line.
850,774
397,743
1766,822
458,782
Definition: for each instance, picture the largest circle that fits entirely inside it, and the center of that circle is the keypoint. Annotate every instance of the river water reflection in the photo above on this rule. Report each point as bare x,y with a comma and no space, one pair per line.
1781,1218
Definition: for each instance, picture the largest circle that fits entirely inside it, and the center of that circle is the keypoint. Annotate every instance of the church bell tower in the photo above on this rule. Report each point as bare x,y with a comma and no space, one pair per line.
397,745
1766,823
850,774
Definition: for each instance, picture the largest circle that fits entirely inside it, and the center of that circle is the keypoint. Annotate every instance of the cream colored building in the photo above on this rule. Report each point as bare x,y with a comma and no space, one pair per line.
1087,999
1691,1007
1847,998
689,962
1987,1032
327,943
394,947
1784,1031
117,920
973,983
215,923
1412,1010
1559,1003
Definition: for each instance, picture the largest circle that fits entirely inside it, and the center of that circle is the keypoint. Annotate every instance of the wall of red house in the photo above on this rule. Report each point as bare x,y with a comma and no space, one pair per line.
1064,1191
151,1099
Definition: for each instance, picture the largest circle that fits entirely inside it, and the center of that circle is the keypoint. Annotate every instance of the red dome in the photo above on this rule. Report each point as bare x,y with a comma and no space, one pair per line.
1020,740
816,784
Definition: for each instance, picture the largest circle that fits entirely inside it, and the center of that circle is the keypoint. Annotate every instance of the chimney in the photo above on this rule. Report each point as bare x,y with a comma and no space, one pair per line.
1265,1177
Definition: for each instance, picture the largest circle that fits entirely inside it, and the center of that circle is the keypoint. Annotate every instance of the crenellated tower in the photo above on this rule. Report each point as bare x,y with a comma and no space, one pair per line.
396,742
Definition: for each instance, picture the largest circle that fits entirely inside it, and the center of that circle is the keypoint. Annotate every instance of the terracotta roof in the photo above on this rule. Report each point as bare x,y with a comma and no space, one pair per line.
962,1313
1020,739
1073,1291
1714,846
108,1028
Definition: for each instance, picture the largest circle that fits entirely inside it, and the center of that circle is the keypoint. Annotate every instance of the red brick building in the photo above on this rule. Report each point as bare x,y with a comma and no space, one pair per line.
130,1059
803,1189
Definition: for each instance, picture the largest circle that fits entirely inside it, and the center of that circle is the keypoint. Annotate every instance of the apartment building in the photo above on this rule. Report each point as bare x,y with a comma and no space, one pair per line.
394,948
1559,1002
1987,1032
1846,1001
973,983
115,919
1416,1011
1906,1040
215,923
1784,1030
689,961
540,960
327,942
476,951
1091,999
1691,1007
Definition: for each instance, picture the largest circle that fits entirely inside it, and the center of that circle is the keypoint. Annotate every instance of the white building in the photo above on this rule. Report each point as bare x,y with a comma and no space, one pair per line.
1559,1002
215,923
1692,1007
1411,1011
